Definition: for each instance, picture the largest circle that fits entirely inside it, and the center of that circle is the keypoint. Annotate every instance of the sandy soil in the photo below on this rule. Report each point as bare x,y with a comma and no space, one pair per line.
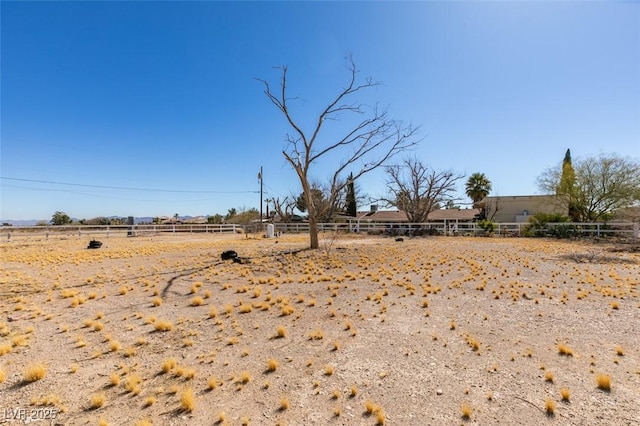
367,330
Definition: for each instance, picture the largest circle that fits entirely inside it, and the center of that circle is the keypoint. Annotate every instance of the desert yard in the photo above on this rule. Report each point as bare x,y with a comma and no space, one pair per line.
367,330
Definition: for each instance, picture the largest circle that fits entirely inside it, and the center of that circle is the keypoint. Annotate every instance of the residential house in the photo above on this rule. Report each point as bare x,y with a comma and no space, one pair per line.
397,216
519,208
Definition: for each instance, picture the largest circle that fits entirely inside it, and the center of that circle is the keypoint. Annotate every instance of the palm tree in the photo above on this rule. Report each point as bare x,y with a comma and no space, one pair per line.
477,187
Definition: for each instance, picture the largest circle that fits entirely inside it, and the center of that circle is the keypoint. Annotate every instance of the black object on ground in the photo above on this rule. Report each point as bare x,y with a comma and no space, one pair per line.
94,244
228,255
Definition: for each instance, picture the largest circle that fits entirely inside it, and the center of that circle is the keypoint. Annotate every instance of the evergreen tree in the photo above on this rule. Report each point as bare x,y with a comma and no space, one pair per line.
351,197
567,186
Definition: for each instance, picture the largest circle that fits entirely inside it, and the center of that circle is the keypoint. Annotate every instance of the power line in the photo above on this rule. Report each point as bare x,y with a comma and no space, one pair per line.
126,188
90,194
273,190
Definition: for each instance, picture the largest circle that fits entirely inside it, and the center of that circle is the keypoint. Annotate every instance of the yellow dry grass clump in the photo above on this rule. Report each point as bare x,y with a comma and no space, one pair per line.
245,308
162,325
316,334
284,403
5,348
329,370
272,364
35,372
212,383
565,350
114,379
132,384
550,406
281,331
466,410
244,377
353,391
197,301
603,381
187,400
97,400
548,376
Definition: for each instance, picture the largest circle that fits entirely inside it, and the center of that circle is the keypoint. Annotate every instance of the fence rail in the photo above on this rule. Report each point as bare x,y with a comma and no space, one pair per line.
570,229
599,229
112,230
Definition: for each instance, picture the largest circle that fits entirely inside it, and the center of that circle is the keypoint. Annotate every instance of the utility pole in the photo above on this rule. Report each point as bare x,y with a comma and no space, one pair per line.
261,184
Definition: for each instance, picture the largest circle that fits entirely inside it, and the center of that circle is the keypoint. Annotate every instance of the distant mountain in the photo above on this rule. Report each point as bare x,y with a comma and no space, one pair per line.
31,222
138,220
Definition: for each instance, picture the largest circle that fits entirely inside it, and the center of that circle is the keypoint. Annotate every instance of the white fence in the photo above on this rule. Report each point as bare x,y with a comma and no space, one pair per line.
621,229
565,229
51,231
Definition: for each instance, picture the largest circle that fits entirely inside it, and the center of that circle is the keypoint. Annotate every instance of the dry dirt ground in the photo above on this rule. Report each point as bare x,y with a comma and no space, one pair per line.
428,331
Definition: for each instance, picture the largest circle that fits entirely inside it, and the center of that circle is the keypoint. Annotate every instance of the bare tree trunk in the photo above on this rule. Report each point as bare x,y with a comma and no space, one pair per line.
313,232
313,215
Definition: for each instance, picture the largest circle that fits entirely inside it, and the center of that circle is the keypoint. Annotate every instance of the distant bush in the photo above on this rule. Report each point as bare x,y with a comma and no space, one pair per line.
421,232
539,226
395,231
549,218
488,226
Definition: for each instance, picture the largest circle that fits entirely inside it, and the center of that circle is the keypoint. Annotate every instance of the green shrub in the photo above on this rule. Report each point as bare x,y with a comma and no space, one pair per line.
538,226
563,231
488,226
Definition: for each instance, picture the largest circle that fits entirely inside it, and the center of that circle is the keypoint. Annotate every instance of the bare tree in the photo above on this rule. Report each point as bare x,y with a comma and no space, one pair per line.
326,201
284,208
368,144
491,208
417,189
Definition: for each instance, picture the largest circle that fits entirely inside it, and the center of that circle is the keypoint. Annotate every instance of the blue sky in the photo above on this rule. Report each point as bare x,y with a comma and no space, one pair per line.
162,97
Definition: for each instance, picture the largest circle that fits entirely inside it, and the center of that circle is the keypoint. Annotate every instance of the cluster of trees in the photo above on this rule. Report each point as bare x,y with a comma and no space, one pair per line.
242,217
233,216
593,188
370,142
61,218
590,190
412,187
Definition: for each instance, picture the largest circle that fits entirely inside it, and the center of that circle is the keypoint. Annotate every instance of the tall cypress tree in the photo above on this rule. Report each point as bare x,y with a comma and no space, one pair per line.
351,197
567,187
